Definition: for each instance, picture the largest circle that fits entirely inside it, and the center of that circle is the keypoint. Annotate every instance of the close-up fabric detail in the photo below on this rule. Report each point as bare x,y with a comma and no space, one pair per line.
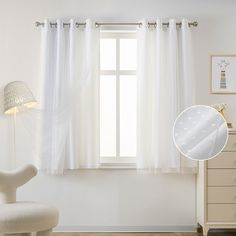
200,132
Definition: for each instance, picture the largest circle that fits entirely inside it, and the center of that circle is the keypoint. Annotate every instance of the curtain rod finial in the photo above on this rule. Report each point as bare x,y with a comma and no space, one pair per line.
195,23
37,23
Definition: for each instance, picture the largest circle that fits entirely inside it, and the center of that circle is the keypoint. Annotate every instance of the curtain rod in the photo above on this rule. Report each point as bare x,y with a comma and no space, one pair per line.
194,24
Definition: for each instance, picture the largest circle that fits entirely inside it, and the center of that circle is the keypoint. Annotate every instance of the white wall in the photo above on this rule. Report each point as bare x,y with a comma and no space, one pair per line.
118,199
215,35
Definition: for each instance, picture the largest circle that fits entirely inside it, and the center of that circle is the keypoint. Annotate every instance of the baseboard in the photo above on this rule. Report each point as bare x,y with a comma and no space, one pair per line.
164,228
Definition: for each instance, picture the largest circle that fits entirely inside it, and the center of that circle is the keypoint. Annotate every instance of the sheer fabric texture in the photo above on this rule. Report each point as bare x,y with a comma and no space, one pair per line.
165,87
200,132
70,75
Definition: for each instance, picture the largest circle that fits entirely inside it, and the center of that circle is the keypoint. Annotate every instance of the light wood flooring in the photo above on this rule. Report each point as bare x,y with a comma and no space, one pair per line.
127,234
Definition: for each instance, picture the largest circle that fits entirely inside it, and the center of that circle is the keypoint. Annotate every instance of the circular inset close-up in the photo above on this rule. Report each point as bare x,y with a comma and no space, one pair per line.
200,132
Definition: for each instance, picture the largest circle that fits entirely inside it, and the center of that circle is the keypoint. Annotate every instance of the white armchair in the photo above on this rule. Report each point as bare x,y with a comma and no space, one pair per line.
23,217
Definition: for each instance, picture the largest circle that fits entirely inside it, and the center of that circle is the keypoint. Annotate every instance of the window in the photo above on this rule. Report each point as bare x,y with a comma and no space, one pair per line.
117,97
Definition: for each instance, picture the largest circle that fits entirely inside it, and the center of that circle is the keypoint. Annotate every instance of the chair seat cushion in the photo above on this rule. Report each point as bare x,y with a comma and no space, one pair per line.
24,217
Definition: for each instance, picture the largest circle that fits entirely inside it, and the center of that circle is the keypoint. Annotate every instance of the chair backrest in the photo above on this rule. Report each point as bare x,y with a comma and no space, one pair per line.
11,180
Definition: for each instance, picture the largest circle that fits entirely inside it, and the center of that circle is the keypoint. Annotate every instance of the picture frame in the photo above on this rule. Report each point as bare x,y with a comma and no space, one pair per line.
223,74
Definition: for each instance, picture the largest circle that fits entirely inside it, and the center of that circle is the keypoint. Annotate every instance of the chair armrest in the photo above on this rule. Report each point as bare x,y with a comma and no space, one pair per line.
11,180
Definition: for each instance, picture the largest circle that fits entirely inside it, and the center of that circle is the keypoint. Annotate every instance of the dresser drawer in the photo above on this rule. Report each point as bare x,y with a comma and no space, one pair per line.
231,143
221,177
222,212
223,160
222,195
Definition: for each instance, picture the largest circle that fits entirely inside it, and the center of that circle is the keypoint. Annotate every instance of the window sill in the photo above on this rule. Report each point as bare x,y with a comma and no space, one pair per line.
118,166
117,162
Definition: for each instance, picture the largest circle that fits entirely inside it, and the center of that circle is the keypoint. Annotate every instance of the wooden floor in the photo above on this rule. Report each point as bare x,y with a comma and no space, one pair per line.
127,234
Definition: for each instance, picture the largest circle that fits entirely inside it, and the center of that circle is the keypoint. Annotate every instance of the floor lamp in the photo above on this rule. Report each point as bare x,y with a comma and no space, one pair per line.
17,98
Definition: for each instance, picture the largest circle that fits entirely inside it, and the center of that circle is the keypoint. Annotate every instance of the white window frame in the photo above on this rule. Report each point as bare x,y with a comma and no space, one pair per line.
117,161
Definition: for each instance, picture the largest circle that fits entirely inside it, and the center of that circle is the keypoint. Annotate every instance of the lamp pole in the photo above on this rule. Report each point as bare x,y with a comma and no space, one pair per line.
14,140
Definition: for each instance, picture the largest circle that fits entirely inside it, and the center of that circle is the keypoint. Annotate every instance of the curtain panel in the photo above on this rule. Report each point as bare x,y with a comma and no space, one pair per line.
165,87
70,77
70,95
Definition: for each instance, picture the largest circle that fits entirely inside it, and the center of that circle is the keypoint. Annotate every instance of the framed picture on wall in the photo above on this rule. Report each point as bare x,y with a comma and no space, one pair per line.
223,74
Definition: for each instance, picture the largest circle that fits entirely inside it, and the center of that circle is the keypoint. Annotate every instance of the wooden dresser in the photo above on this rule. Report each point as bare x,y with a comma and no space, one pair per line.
216,189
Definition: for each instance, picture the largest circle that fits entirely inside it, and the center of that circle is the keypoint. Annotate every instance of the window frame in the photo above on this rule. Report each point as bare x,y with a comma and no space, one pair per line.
117,161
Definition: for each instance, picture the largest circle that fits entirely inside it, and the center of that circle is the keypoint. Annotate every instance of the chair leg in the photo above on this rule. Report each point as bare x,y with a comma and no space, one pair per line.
45,233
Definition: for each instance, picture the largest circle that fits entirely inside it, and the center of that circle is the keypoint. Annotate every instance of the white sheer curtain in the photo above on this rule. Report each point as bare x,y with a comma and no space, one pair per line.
165,87
70,123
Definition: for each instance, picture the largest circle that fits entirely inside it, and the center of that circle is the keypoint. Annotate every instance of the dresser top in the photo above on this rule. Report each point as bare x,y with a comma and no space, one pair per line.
232,131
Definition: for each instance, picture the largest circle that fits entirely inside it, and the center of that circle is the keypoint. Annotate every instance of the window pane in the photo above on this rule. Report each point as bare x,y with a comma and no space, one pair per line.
127,116
108,54
128,54
108,116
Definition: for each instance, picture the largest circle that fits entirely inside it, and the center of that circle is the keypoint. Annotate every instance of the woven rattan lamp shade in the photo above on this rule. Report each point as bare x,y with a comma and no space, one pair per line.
17,97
